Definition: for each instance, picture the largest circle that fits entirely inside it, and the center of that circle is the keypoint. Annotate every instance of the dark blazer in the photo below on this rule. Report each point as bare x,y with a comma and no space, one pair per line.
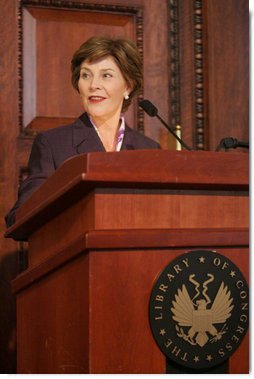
51,148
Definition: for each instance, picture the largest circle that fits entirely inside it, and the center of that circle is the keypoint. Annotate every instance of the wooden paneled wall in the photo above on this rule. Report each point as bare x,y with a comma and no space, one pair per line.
196,66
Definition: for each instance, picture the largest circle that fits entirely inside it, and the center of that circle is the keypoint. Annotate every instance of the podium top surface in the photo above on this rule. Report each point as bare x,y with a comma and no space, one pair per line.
146,169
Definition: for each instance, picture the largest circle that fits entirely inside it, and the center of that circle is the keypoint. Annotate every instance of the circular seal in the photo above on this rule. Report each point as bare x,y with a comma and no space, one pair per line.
199,309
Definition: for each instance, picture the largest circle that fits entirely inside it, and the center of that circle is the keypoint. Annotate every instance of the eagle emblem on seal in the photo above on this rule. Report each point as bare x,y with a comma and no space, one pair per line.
200,314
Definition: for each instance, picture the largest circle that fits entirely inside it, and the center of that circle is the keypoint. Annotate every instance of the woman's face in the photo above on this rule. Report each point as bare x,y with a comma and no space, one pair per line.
102,88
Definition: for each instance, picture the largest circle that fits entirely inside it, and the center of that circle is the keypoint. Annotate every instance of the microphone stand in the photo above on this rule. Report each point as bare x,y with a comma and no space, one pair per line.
173,133
152,111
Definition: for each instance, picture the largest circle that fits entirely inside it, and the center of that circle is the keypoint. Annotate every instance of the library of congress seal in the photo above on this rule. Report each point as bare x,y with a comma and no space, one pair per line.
199,309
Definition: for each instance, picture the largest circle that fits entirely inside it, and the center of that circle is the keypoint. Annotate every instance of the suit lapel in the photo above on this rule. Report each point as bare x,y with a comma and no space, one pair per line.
85,138
128,139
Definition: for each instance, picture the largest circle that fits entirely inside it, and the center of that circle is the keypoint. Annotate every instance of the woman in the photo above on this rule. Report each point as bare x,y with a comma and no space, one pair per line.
107,73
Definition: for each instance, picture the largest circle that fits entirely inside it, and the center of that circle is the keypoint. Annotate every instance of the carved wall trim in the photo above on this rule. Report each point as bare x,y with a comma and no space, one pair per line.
174,85
199,75
20,66
198,69
136,12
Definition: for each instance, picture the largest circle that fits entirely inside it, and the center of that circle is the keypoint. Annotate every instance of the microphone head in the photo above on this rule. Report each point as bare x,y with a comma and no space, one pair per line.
148,107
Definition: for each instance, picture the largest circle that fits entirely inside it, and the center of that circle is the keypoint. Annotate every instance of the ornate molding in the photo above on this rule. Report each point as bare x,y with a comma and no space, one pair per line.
139,43
174,88
20,65
73,5
136,12
199,76
175,69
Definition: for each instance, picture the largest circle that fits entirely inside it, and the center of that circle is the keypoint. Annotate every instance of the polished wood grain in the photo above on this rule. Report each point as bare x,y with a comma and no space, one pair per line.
162,169
113,232
119,339
132,238
230,120
58,308
98,200
8,180
182,182
43,101
225,70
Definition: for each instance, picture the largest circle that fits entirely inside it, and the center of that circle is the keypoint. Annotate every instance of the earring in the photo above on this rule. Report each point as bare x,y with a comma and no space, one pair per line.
126,97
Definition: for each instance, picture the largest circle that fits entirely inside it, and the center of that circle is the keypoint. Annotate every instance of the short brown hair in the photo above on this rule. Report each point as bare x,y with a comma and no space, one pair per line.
124,53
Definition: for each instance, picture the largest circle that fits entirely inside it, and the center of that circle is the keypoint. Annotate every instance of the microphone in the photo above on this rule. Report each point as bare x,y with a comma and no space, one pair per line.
152,111
231,143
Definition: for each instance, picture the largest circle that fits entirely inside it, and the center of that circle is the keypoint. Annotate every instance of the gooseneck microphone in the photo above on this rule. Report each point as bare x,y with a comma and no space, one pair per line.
152,111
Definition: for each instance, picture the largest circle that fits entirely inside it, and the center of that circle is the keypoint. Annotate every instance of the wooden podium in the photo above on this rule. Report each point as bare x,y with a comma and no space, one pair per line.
100,230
